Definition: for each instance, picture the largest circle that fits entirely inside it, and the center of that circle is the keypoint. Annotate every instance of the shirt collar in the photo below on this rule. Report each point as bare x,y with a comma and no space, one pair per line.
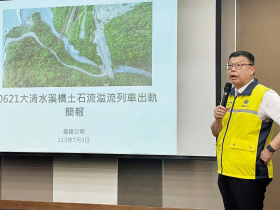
248,88
240,90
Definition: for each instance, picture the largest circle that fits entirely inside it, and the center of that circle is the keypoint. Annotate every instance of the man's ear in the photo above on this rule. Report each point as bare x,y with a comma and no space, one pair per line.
253,69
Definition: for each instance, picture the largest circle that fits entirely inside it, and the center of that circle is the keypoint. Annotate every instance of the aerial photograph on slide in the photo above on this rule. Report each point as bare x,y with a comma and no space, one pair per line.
78,46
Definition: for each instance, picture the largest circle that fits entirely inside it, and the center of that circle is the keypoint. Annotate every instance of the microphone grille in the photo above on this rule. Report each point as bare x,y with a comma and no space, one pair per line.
227,87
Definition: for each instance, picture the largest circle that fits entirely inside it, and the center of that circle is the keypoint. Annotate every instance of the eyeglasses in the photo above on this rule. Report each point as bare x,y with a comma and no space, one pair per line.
237,66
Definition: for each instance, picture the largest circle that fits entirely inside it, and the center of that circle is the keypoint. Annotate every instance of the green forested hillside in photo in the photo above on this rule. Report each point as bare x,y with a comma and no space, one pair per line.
60,16
129,37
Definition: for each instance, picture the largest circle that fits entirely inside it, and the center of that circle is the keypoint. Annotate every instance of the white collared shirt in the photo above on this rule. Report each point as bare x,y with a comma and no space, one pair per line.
270,105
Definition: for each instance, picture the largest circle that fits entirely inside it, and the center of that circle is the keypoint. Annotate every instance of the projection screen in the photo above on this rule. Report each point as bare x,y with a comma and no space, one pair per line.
100,77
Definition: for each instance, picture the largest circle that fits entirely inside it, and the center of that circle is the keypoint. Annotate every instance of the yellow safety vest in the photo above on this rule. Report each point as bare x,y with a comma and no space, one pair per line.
244,136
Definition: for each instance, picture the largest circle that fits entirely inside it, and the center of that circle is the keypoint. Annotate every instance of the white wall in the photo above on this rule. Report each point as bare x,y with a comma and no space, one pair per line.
196,76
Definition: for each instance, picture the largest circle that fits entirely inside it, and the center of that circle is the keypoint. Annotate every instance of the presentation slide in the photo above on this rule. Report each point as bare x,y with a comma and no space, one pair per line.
87,76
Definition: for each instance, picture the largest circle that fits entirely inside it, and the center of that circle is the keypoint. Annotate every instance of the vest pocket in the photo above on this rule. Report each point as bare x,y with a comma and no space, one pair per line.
242,152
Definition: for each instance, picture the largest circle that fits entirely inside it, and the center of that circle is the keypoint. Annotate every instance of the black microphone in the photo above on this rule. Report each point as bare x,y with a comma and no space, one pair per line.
227,89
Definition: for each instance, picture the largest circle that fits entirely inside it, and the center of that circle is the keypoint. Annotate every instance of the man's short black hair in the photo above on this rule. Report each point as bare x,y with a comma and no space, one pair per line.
243,53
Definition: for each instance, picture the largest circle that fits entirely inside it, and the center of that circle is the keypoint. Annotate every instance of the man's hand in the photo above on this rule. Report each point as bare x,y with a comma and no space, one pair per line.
220,112
266,156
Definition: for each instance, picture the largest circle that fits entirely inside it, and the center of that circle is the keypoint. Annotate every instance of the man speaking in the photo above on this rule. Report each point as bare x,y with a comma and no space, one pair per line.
244,129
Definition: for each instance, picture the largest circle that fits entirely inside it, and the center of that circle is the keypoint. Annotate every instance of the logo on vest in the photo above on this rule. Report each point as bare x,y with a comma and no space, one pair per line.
245,103
229,105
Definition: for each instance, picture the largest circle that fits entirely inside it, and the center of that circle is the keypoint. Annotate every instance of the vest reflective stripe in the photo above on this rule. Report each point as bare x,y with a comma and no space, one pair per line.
243,110
244,136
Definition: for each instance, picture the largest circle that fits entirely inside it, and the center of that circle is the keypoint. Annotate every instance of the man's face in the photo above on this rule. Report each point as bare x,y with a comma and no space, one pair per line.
240,77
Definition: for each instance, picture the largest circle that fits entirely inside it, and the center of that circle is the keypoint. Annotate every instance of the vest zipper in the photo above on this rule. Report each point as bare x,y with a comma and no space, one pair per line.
226,134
